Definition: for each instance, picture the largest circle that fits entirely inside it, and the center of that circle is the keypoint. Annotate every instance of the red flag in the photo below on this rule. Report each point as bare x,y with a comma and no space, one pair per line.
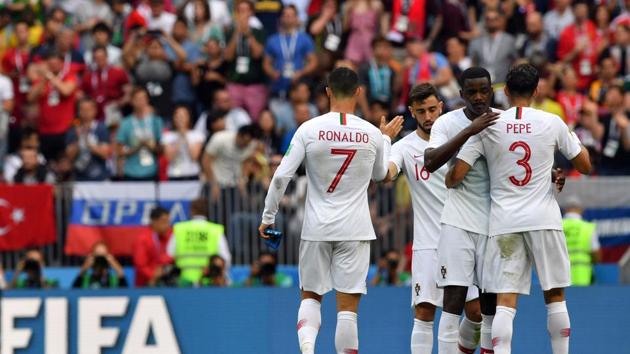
26,216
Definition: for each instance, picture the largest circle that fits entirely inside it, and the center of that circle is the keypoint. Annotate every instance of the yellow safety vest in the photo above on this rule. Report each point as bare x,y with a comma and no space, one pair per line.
579,235
195,242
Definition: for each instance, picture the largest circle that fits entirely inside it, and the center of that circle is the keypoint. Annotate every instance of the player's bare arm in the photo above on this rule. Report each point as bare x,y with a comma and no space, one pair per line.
582,162
434,158
457,173
392,128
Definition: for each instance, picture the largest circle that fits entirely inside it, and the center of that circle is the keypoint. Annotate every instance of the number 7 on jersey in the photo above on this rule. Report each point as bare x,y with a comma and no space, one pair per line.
349,156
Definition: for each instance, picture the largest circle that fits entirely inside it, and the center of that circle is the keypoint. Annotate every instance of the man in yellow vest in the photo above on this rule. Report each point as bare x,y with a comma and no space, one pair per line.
195,241
582,242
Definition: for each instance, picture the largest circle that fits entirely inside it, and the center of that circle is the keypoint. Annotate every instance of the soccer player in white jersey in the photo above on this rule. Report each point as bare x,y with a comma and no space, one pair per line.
525,222
465,215
428,193
342,153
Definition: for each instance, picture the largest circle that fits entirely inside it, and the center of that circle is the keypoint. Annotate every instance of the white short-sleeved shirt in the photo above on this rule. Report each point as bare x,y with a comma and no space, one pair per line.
519,150
428,191
6,88
468,206
182,165
342,153
228,158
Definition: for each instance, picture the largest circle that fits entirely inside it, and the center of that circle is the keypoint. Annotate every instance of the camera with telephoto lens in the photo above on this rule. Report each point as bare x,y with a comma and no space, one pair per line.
100,262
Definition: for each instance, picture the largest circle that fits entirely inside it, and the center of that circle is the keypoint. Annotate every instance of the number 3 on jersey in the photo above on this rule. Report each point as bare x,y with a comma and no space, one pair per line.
349,156
524,162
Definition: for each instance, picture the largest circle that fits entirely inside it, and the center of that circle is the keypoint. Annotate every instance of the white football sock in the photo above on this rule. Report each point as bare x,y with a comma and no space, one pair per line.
486,334
469,333
559,327
309,321
422,337
502,330
347,333
448,332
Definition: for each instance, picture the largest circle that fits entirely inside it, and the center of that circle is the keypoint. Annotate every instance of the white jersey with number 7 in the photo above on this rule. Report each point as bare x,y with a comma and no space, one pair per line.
342,153
519,150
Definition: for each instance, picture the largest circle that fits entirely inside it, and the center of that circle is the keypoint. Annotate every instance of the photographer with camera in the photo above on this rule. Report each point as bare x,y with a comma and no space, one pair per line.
214,274
29,273
264,272
100,270
389,271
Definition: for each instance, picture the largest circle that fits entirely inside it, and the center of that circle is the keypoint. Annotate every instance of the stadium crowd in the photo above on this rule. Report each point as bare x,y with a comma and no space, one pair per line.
148,90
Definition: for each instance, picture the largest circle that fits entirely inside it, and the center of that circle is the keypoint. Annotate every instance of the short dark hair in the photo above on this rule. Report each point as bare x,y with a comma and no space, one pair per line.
99,47
268,253
249,129
475,72
421,92
102,27
199,206
522,80
343,82
157,213
379,40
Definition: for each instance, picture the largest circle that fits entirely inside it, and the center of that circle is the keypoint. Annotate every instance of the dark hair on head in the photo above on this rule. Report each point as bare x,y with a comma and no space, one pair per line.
28,132
249,130
616,87
199,206
379,40
522,80
475,72
85,99
206,8
268,253
137,89
388,251
581,2
184,107
291,6
53,10
343,82
381,103
99,47
182,19
157,213
421,92
21,21
102,27
295,85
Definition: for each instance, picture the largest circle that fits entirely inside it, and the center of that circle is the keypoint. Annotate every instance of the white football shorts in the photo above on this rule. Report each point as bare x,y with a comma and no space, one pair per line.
460,257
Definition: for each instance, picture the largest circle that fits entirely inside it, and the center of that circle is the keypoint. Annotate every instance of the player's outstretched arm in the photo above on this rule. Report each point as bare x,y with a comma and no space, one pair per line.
456,173
434,158
389,130
582,162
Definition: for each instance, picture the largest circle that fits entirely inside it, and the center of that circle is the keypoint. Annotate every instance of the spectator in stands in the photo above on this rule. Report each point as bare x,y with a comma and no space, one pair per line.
582,242
100,270
121,10
183,91
620,50
6,108
327,31
218,11
362,21
244,55
88,146
194,241
284,111
457,57
408,20
55,19
15,63
201,26
612,131
495,50
102,36
269,133
223,158
302,114
235,117
569,97
579,45
379,77
536,41
182,147
150,256
556,20
264,272
138,139
87,15
160,19
607,70
29,139
29,273
215,273
543,99
54,90
289,55
32,170
210,74
390,270
65,44
107,84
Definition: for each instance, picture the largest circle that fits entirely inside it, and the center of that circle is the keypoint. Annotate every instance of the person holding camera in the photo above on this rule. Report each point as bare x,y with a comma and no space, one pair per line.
100,270
264,272
214,274
389,271
29,272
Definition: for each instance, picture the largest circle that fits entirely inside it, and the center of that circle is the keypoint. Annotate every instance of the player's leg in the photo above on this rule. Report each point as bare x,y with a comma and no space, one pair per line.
314,272
425,297
507,273
349,267
488,302
554,271
455,273
470,326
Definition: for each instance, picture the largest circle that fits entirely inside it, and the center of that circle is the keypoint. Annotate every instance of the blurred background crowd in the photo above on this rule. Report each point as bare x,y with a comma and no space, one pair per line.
213,90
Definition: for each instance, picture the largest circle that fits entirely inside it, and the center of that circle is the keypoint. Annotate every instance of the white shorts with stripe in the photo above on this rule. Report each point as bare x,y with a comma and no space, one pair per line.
424,287
460,257
509,259
339,265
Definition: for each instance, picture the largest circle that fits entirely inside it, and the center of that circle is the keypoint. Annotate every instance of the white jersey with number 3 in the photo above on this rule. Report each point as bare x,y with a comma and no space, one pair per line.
428,190
342,153
519,150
